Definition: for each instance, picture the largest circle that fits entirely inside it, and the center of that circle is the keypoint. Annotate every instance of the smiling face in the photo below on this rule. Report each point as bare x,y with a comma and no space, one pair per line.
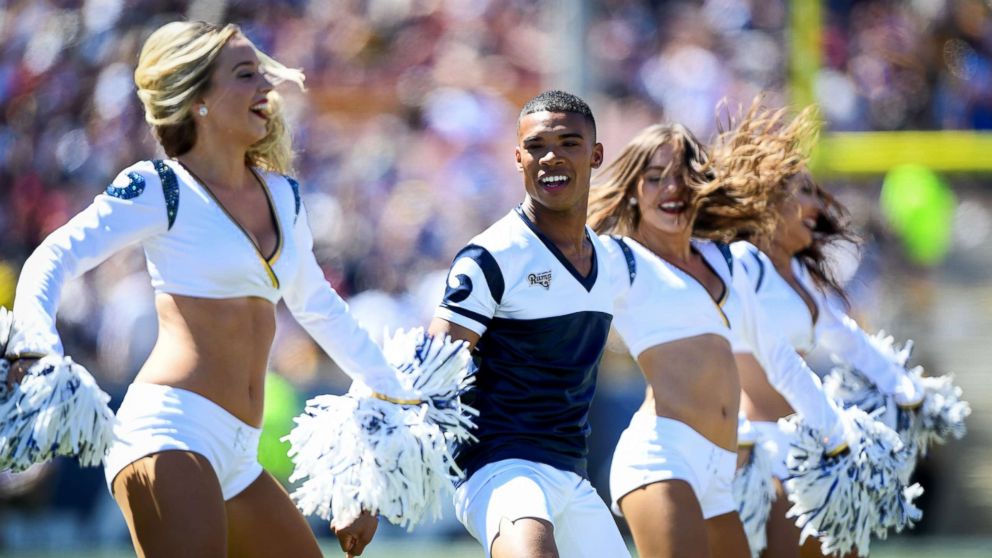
662,198
556,152
798,214
237,100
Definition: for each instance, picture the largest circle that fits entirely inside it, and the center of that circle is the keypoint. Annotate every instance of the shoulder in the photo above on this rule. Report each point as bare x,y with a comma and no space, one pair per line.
133,182
506,238
283,186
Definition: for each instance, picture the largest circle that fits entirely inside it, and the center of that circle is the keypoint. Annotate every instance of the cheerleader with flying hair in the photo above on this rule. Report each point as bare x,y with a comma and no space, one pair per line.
686,312
794,285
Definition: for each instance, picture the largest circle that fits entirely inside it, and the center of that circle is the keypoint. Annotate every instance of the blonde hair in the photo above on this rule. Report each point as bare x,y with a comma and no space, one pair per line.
174,71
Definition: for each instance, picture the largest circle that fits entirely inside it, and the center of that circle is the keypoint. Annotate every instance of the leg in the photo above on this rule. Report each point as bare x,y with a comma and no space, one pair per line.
508,507
173,505
263,522
526,537
726,536
666,520
783,535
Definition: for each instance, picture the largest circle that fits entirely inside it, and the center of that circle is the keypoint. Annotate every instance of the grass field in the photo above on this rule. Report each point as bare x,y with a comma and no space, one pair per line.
905,547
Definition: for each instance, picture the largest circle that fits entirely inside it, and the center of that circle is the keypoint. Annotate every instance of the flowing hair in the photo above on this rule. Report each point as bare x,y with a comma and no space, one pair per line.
832,226
174,71
730,193
777,148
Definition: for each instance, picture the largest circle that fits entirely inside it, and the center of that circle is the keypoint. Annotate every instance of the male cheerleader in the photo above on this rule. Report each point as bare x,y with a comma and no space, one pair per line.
531,295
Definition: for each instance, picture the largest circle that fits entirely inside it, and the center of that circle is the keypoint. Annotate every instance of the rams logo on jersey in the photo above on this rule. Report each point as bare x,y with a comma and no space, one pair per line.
543,279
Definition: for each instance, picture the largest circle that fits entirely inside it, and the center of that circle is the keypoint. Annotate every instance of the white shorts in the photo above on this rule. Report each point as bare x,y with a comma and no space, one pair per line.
776,443
517,488
654,449
155,418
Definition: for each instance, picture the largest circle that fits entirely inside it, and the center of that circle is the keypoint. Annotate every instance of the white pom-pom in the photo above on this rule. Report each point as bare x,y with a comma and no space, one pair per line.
355,452
754,492
845,499
940,417
56,409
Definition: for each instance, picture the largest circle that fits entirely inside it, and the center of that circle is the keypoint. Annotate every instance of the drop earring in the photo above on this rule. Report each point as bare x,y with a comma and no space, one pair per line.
202,111
632,201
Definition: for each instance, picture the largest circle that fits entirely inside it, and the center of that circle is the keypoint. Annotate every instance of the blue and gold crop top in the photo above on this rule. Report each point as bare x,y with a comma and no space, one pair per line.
193,247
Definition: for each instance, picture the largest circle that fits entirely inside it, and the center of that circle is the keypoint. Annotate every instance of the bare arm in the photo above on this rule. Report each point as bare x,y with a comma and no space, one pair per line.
456,332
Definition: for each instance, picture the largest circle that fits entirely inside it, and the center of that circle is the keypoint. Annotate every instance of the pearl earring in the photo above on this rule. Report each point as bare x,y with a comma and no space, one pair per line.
632,201
202,111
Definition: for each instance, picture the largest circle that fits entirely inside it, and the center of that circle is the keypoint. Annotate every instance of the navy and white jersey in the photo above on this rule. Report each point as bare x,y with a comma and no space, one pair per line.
543,328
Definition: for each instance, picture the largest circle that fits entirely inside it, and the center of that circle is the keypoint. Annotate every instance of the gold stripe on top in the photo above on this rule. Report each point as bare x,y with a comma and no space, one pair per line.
273,213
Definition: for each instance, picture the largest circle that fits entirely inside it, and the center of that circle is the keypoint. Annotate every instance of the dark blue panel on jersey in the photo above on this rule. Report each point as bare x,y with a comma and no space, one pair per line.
487,263
761,268
534,385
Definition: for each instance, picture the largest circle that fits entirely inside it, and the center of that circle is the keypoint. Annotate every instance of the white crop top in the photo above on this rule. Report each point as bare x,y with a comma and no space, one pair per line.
663,303
193,247
833,329
657,302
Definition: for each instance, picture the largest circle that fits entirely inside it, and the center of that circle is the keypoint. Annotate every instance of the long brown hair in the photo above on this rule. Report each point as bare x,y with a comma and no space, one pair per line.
781,148
731,185
832,226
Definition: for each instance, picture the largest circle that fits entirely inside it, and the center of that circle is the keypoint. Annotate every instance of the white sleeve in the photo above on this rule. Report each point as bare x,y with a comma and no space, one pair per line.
129,211
787,371
753,262
473,291
842,336
325,316
621,263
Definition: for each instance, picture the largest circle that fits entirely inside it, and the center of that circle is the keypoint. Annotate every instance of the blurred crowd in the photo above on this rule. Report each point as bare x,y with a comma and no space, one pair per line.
406,131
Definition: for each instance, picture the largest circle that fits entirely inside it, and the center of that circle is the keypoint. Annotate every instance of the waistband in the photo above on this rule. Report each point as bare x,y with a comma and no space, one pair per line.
148,400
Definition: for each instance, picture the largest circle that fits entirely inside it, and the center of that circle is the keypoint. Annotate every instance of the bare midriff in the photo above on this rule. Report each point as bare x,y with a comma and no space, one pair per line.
694,381
217,348
759,400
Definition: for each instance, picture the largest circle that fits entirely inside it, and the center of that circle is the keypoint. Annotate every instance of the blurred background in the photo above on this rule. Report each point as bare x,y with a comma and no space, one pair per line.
405,140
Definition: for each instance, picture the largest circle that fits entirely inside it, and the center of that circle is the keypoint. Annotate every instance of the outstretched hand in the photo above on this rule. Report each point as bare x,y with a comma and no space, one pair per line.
357,534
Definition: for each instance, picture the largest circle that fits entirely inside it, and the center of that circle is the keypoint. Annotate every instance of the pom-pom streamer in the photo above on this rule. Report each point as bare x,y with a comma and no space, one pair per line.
754,493
357,453
845,499
940,417
56,409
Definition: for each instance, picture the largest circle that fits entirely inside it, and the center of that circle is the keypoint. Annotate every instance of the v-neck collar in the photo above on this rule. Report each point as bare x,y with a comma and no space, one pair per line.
589,280
718,302
273,214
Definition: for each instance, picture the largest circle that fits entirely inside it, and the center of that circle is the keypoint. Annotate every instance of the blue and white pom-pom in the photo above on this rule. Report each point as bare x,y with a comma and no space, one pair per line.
56,409
754,493
358,452
845,499
940,416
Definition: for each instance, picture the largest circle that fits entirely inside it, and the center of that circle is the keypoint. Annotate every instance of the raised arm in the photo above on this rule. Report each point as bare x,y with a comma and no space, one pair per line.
842,336
131,209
